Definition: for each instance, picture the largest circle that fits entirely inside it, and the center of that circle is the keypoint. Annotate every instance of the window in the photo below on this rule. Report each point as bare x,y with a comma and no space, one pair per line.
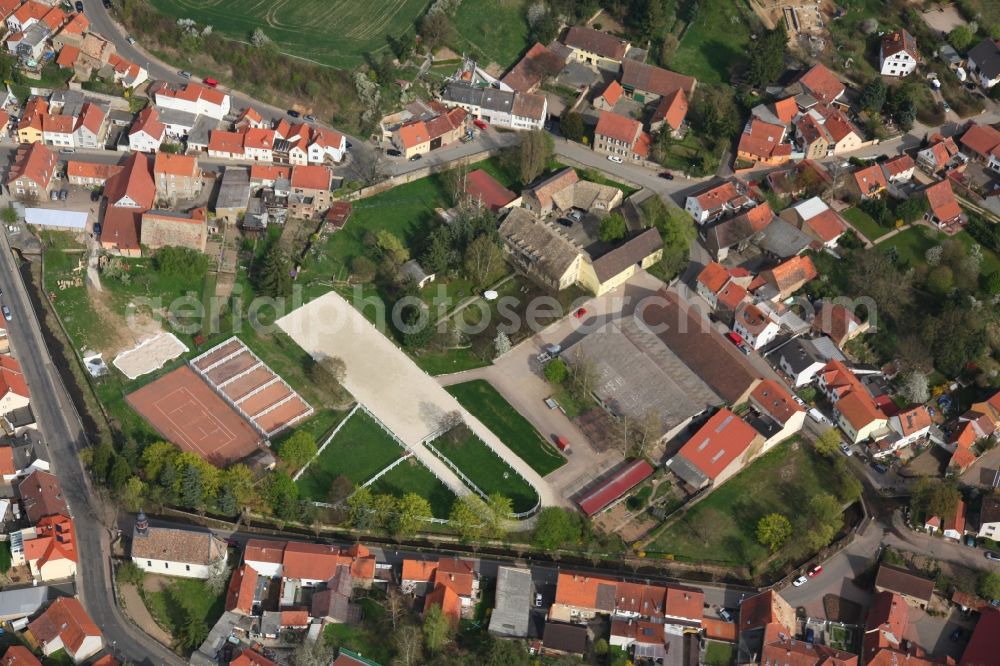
187,567
149,563
166,565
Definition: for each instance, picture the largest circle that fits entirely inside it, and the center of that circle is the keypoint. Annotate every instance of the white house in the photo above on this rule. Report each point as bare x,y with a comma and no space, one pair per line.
176,552
755,326
14,392
265,557
89,130
258,144
326,144
57,130
910,425
984,62
147,132
899,169
65,625
989,518
193,98
898,54
716,201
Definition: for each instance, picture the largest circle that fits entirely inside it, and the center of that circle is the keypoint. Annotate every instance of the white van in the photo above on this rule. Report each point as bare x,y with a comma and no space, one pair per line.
818,417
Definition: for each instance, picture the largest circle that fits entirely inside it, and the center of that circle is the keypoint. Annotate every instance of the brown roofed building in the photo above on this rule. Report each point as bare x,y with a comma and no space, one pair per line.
763,143
540,199
822,84
18,655
484,189
128,193
65,625
915,590
177,177
717,451
176,552
670,112
595,48
311,193
646,83
32,171
620,135
790,276
615,267
536,65
944,213
980,140
41,495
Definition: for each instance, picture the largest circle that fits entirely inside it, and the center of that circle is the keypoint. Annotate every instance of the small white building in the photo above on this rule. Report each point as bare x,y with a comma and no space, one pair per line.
898,54
989,518
756,327
176,552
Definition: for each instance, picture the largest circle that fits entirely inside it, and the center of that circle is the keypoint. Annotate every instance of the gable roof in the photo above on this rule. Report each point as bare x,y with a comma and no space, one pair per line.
764,140
982,647
640,76
526,73
546,189
613,92
310,561
447,600
551,251
822,83
485,189
35,162
791,275
65,619
903,582
178,545
311,177
241,590
786,109
722,439
913,420
898,165
776,401
134,181
41,495
611,489
942,202
870,179
19,655
11,378
55,539
899,41
672,109
631,252
148,121
250,658
595,41
714,277
981,139
618,127
263,550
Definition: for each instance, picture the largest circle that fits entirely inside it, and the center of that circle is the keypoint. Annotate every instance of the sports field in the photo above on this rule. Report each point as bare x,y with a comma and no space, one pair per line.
330,32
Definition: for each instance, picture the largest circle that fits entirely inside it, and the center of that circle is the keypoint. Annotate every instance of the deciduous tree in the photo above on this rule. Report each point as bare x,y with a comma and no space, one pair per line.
412,511
828,442
437,629
468,516
773,530
571,126
613,228
533,155
556,371
482,258
298,449
554,528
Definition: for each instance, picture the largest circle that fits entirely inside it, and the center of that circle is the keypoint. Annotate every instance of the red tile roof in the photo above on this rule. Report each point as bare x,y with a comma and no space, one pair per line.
67,56
12,379
822,83
294,618
7,461
413,134
721,440
41,495
613,92
732,295
914,420
485,189
791,275
763,141
35,162
774,399
447,600
55,539
176,165
264,172
242,587
620,483
77,25
250,658
887,619
607,594
672,109
312,177
65,619
91,117
262,550
981,139
870,180
983,645
121,228
942,202
714,276
647,78
899,41
148,121
898,165
828,225
618,127
311,561
18,655
837,125
718,196
225,142
419,570
786,109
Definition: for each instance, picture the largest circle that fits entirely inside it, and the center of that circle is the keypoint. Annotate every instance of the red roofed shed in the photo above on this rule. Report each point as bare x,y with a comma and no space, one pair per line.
620,483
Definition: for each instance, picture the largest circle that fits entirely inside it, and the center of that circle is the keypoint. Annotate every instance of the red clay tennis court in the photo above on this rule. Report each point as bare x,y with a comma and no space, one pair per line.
186,411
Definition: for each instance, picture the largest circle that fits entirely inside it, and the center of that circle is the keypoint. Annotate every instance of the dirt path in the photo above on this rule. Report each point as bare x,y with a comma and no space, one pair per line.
136,609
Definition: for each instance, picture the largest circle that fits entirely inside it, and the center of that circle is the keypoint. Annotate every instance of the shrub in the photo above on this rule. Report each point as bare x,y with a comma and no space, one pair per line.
556,371
180,262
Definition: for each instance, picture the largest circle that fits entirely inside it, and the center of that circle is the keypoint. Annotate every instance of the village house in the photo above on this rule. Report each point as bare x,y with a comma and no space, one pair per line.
763,618
537,64
939,153
717,451
90,127
979,141
671,112
984,63
646,83
19,655
41,496
31,174
147,132
564,190
943,209
65,625
951,526
178,177
48,548
171,228
915,590
910,426
822,84
191,97
310,191
606,100
595,48
899,169
712,280
763,143
14,393
129,194
233,196
483,190
869,182
418,137
898,54
737,232
838,322
817,220
622,136
502,108
854,409
541,250
887,618
95,51
786,278
757,327
989,518
726,198
176,552
772,400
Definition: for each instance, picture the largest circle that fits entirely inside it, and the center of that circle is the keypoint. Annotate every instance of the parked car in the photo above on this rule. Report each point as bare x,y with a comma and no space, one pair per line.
392,152
846,450
880,468
667,175
416,157
992,556
63,195
816,570
579,313
562,443
6,313
735,338
575,215
293,113
725,614
184,74
95,195
481,124
210,82
79,5
309,118
54,195
944,105
538,599
615,159
565,222
800,581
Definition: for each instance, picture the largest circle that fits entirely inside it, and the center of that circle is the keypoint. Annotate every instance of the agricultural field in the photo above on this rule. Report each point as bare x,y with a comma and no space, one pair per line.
486,404
499,30
359,451
715,40
331,32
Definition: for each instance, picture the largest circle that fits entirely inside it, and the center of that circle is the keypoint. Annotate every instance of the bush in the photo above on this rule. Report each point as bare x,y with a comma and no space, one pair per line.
556,371
129,572
180,262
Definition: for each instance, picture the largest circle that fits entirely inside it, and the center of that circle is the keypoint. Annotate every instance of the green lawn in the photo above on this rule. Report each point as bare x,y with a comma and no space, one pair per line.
62,256
487,470
991,262
413,477
360,449
182,601
487,405
331,32
719,654
368,638
5,558
911,244
497,29
722,528
717,38
447,362
864,223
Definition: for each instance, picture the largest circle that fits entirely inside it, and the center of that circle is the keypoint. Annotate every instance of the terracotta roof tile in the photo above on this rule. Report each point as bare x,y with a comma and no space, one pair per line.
176,165
776,401
722,439
66,619
482,187
714,276
312,177
672,109
942,201
981,139
822,83
613,92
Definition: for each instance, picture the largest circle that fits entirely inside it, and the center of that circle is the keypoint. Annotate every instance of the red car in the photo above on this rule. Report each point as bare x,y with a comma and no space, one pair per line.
579,313
816,570
735,338
562,443
481,124
210,82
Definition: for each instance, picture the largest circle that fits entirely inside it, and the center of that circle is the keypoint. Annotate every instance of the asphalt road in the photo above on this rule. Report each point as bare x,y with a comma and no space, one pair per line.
64,435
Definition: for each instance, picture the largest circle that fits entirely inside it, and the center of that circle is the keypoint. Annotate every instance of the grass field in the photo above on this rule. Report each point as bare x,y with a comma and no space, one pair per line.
487,405
330,32
910,244
864,223
487,470
719,654
182,601
498,29
360,449
718,37
722,527
412,477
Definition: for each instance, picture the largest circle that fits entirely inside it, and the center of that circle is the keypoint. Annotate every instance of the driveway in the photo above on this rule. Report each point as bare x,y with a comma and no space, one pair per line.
387,381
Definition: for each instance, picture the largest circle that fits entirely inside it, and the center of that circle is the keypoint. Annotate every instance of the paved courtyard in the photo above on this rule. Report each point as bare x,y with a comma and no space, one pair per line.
382,377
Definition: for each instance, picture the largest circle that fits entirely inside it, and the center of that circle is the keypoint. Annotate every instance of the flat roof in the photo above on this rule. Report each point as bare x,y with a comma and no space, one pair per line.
47,217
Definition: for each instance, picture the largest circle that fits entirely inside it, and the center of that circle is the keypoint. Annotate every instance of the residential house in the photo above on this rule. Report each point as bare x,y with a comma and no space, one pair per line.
899,169
50,548
622,136
311,565
772,400
26,15
147,132
563,639
90,127
564,190
595,48
19,655
57,130
223,145
898,54
29,127
418,137
944,211
310,191
41,496
128,194
762,618
911,425
813,140
824,127
537,64
14,393
646,83
612,93
763,143
670,112
915,590
177,177
581,597
541,250
711,281
989,518
807,178
458,575
725,198
839,323
127,73
490,105
529,112
65,626
31,174
951,526
887,619
717,451
31,43
483,189
514,599
938,154
869,182
817,220
854,409
613,268
333,604
325,145
757,327
233,195
983,61
982,646
979,141
95,51
445,598
89,174
784,648
171,228
257,144
737,232
648,640
248,657
822,84
787,278
193,98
